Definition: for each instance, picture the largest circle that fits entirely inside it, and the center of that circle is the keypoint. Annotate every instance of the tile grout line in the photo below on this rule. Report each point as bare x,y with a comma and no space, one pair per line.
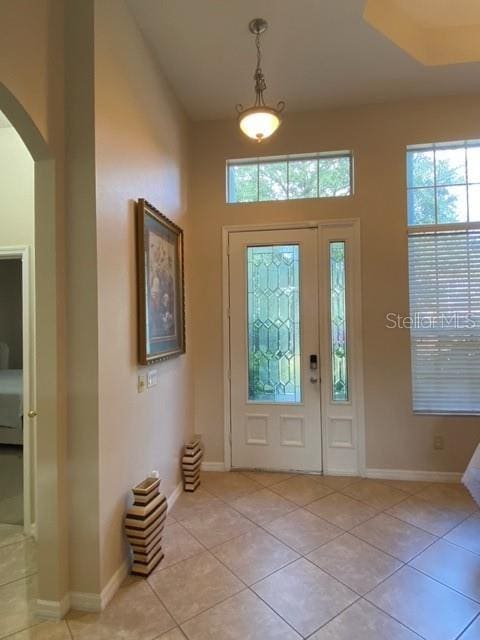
297,508
359,596
395,619
262,527
339,535
247,587
177,624
202,550
459,546
10,544
303,555
200,613
304,507
406,564
470,624
463,519
291,625
70,632
443,584
31,626
28,575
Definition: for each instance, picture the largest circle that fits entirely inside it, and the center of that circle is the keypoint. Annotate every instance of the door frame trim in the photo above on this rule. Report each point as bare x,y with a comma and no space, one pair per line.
353,223
22,253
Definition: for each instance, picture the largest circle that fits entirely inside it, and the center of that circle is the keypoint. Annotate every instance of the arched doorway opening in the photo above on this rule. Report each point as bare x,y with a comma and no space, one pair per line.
48,407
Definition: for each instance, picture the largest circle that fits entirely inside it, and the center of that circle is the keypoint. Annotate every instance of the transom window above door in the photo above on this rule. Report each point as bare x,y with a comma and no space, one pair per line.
292,177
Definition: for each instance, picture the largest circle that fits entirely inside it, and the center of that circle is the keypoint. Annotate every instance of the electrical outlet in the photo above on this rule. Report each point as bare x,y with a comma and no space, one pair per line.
438,443
141,383
152,378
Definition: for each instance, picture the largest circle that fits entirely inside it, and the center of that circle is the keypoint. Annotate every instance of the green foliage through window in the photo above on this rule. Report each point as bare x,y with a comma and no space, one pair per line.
338,322
290,178
443,183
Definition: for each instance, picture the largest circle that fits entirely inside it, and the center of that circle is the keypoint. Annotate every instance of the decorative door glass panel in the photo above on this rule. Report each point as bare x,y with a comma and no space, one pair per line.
338,322
273,324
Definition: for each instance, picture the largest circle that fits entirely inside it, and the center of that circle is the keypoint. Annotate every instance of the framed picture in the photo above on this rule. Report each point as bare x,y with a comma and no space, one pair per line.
161,303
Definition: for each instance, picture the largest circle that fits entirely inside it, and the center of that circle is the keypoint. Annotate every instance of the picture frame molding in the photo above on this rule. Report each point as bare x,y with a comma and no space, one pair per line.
142,209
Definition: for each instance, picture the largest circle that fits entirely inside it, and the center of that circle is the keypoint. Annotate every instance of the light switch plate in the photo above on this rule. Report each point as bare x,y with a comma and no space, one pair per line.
141,383
152,378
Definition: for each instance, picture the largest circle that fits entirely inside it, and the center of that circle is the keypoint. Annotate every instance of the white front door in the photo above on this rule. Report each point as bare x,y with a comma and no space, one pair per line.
274,350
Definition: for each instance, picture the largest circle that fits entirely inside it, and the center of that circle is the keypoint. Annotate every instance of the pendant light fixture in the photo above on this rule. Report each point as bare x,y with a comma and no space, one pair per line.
260,121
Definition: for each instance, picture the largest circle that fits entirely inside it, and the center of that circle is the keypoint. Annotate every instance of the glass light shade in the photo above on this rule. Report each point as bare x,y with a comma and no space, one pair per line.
259,123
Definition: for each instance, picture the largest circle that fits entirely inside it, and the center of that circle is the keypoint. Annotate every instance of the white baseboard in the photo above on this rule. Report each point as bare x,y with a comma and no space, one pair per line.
96,602
407,474
340,472
34,531
111,588
213,466
82,601
380,474
52,609
176,493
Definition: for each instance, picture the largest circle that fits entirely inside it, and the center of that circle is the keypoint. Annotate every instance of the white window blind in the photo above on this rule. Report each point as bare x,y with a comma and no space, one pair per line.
444,272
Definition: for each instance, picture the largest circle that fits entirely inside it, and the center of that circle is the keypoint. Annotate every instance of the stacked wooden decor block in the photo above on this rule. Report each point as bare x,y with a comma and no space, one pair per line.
144,524
191,462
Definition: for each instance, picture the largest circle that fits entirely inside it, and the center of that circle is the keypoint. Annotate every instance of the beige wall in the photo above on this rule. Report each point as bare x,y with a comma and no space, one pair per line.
141,151
396,439
31,95
82,307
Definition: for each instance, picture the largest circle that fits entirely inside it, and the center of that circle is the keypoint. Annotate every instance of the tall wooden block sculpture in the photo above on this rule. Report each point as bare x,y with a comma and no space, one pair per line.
191,462
144,524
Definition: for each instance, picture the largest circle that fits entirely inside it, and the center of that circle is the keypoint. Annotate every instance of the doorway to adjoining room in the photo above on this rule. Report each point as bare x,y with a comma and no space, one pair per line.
11,393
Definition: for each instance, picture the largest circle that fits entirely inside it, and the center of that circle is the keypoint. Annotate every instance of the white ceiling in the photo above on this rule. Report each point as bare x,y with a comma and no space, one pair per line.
317,53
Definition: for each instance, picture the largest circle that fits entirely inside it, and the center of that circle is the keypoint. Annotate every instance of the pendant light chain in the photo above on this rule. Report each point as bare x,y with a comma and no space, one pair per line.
259,121
260,84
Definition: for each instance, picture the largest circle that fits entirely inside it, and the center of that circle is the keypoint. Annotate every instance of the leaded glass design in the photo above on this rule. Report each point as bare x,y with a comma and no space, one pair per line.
338,322
273,324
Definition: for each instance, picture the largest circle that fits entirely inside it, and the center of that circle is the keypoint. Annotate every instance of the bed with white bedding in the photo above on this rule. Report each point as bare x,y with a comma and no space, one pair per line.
11,406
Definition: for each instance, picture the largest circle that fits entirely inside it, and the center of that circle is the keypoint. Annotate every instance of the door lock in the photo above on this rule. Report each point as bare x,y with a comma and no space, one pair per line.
32,414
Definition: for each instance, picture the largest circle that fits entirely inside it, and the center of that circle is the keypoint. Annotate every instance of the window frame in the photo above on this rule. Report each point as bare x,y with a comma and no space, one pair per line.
288,158
438,226
437,229
333,399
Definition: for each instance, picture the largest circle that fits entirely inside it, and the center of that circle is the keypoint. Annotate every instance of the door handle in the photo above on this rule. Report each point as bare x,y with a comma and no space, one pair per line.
32,414
313,379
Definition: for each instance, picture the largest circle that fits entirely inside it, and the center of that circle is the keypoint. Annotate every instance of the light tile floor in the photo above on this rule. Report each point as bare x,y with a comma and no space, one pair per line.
282,557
